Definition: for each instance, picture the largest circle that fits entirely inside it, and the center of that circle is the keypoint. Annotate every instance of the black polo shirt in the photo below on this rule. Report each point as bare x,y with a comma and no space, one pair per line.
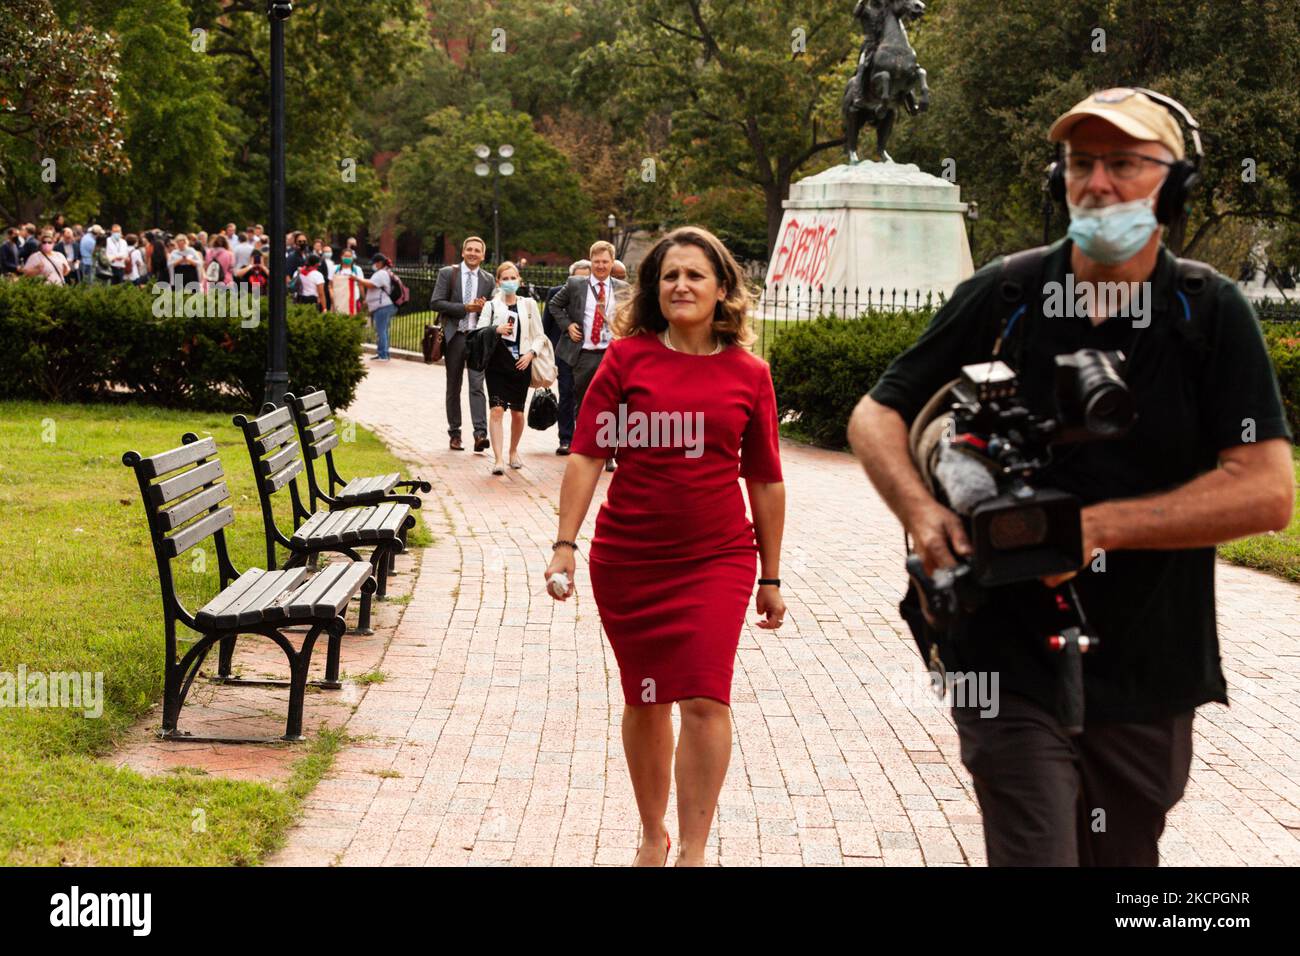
1198,386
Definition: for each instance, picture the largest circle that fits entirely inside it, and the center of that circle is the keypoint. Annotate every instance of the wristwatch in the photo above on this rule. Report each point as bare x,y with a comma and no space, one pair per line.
773,581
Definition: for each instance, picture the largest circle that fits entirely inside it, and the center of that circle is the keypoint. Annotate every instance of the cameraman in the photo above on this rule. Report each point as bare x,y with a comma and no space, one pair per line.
1207,460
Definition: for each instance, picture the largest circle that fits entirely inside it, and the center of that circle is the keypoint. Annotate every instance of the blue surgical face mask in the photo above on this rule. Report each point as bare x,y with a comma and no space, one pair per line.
510,286
1116,233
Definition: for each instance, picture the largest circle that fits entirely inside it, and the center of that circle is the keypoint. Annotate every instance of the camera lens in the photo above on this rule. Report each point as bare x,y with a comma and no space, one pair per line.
1102,396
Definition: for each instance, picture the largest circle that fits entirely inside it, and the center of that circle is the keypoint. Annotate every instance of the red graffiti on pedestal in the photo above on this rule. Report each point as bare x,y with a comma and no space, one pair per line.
803,251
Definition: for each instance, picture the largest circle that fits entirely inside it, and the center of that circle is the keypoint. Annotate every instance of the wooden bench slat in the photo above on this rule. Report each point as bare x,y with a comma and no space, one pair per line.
251,606
271,421
388,515
274,440
330,589
354,531
170,489
273,463
335,530
344,587
166,461
361,486
305,530
314,415
187,508
322,530
328,443
316,432
214,608
303,601
311,399
192,534
281,478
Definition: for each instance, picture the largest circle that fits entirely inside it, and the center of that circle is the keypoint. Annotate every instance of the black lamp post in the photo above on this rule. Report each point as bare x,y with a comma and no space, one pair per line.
503,167
277,348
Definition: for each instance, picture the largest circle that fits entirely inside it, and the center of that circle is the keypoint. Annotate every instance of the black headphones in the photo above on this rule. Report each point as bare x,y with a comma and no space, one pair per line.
1184,174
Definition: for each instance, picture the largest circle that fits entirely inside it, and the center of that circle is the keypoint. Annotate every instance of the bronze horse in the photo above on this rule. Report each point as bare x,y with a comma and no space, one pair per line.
888,75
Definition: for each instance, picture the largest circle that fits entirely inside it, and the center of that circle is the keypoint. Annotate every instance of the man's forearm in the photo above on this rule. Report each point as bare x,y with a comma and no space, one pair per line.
878,436
1236,499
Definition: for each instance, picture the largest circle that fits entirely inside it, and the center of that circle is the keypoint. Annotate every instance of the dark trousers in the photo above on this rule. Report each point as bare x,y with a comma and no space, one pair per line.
1095,799
584,370
453,352
564,376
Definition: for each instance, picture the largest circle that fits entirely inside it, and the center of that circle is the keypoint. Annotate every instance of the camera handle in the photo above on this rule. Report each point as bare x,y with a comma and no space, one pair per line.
1071,644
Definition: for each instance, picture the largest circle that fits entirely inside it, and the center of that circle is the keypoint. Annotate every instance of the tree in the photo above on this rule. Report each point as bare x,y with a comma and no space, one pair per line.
752,90
178,134
59,114
434,188
1001,73
334,51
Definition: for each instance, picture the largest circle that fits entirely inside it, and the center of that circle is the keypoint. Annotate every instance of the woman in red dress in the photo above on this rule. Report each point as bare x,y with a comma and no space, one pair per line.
689,410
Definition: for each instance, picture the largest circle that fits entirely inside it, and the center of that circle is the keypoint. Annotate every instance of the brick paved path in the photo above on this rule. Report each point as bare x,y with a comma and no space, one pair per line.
496,737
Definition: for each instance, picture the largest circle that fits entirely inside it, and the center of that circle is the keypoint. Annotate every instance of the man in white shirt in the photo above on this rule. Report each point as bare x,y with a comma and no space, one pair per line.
117,251
584,311
242,250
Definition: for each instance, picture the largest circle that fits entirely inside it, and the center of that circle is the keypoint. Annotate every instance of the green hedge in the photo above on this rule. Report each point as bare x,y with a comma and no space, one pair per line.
822,367
1284,347
83,343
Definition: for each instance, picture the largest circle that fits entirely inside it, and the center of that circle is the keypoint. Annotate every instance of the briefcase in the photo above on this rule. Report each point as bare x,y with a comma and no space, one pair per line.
432,343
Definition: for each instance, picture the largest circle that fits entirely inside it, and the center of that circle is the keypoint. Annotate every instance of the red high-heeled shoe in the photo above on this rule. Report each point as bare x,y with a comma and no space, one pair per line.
668,852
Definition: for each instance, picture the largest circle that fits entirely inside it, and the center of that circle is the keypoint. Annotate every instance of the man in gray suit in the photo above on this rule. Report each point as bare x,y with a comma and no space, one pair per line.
458,297
584,312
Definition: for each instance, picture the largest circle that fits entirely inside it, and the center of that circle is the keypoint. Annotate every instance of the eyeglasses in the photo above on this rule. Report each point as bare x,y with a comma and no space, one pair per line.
1119,165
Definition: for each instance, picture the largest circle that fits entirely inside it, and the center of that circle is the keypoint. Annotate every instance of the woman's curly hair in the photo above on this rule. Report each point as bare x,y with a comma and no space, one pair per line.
730,317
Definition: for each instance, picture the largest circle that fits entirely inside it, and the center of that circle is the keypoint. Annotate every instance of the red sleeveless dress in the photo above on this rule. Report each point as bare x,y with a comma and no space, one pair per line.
673,559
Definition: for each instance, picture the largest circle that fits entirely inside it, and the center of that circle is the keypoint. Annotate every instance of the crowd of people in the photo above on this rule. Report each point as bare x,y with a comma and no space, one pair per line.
66,254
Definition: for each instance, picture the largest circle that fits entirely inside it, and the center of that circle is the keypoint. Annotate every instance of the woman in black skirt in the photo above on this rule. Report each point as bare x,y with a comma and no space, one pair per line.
520,337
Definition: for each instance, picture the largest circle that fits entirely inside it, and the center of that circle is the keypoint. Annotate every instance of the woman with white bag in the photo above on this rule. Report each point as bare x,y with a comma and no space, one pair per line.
521,342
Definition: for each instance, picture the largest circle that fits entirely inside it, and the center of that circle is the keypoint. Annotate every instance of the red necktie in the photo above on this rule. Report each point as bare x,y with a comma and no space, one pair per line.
599,321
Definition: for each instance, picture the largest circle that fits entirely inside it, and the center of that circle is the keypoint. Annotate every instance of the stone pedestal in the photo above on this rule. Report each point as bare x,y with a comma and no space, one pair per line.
867,234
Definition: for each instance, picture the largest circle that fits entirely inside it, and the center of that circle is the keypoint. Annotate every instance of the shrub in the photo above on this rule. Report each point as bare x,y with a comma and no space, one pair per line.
1284,348
78,343
822,367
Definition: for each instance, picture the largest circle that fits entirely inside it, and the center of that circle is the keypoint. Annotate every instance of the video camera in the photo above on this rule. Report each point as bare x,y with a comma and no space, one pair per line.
980,458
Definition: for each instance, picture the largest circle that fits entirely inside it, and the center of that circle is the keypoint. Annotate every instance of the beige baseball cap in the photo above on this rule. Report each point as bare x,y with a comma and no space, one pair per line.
1128,110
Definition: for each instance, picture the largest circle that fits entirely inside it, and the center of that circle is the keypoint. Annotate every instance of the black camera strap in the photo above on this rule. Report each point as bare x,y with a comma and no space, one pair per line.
1023,270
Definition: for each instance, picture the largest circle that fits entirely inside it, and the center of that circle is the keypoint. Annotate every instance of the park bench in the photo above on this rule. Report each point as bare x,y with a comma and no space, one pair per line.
319,436
184,500
274,451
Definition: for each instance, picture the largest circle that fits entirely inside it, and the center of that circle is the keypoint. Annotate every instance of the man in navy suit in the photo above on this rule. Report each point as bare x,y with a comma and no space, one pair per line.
584,311
458,297
563,373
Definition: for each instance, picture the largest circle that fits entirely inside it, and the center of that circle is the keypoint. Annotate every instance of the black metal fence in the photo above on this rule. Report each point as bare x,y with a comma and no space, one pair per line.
1274,310
775,306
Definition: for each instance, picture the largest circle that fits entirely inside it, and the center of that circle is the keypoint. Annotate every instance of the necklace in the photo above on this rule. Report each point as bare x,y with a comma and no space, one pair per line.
666,338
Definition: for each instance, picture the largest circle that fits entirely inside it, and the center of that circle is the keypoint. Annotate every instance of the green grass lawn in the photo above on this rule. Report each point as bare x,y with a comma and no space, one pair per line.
405,331
79,592
1277,552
